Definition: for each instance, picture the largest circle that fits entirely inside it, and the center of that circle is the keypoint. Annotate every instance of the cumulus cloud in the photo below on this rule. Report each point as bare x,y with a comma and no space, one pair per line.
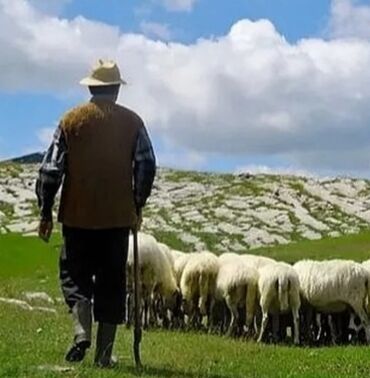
156,30
247,93
177,5
349,19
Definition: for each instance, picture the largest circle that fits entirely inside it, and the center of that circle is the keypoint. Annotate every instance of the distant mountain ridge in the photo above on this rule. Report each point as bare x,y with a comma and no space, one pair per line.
34,158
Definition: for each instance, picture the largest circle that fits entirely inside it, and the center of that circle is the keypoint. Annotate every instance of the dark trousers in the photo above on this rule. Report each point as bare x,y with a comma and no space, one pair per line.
93,267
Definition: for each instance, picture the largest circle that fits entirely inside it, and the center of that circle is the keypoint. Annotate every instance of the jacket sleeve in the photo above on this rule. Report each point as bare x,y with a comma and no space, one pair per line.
51,174
144,168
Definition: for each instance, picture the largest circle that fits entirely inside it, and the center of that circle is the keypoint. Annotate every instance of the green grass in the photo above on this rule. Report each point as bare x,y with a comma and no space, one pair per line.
7,209
171,239
10,169
354,247
29,340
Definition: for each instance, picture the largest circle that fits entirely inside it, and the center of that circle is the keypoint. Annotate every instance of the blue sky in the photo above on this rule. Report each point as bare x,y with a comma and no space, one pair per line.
41,85
293,18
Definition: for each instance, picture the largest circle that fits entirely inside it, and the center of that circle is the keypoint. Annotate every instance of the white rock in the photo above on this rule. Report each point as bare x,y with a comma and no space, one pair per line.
45,309
188,238
23,227
16,302
38,296
310,234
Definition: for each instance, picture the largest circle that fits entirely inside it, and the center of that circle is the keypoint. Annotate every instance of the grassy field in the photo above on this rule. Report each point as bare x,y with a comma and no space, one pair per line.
32,343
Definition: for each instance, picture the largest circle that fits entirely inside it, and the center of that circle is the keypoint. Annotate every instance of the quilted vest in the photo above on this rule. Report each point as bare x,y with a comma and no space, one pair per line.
97,191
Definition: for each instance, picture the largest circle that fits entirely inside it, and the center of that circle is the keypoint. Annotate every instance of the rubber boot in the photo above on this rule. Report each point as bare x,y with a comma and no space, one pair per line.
104,345
82,319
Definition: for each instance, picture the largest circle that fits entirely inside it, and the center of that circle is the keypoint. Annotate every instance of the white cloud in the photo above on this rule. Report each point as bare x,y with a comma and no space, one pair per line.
177,5
270,170
156,30
247,93
349,19
45,137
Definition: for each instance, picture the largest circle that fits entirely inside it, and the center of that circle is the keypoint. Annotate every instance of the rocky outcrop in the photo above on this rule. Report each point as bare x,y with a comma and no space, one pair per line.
195,211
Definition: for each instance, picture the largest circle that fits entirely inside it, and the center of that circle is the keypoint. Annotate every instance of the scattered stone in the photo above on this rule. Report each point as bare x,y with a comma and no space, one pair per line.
312,235
26,306
56,368
38,296
59,300
229,228
23,227
45,309
188,238
16,302
257,238
334,234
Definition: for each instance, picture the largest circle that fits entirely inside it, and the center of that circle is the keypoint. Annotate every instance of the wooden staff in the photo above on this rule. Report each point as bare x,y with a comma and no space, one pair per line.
137,328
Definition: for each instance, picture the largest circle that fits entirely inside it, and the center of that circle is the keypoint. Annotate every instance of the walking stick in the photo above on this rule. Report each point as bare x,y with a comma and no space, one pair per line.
137,328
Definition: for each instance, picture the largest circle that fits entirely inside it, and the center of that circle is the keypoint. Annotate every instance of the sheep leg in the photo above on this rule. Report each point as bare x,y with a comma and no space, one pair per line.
308,327
333,331
197,320
128,310
265,319
275,327
152,310
225,318
203,293
361,313
193,314
320,327
234,316
295,313
257,320
250,303
210,316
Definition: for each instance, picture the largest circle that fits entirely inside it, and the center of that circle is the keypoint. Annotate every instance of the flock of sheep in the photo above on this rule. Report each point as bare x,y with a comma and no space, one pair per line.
252,296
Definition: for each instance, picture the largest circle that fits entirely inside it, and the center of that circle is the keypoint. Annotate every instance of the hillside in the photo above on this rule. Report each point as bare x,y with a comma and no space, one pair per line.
34,158
190,210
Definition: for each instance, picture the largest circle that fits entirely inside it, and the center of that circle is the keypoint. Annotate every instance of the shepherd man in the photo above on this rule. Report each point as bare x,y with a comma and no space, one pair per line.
102,156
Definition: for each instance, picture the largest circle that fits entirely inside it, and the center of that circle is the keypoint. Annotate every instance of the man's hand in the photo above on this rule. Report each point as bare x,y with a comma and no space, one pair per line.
45,229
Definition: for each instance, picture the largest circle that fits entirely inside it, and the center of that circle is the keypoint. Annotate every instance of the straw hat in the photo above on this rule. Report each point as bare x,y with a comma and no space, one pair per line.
103,73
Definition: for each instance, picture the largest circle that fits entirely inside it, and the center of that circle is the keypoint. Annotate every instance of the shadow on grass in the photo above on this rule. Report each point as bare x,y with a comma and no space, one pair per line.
167,372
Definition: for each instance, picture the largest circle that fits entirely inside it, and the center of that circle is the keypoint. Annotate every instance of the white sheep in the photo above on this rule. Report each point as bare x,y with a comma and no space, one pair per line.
333,286
237,285
278,286
171,254
228,257
156,275
179,266
366,265
198,284
257,262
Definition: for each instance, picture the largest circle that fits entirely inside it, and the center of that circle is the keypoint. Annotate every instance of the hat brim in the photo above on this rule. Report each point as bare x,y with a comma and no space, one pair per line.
91,82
